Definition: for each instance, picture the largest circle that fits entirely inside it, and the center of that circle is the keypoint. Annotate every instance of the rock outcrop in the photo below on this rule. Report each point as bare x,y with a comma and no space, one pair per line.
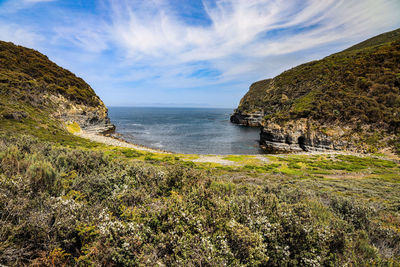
89,118
253,119
302,135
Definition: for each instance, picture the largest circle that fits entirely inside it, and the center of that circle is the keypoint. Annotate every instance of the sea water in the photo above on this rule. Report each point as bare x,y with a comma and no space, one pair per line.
185,130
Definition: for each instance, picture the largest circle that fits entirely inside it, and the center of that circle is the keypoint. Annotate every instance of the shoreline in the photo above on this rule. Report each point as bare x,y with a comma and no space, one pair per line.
112,140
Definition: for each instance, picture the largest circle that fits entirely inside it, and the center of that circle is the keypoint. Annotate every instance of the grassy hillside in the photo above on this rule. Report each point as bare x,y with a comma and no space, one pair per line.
357,88
31,87
376,41
23,69
66,201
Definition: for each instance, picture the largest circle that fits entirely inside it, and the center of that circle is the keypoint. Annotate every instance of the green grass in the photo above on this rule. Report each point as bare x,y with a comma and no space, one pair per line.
375,41
304,104
243,159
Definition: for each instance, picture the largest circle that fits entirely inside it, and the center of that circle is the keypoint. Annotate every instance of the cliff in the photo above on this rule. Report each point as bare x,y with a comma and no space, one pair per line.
251,108
347,101
35,91
252,119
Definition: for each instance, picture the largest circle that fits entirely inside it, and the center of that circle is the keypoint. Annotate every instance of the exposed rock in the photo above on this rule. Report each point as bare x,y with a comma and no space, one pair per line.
252,119
89,118
301,135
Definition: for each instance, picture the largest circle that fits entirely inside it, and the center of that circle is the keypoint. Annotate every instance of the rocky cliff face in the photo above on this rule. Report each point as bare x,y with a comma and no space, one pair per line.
251,111
253,119
303,135
89,118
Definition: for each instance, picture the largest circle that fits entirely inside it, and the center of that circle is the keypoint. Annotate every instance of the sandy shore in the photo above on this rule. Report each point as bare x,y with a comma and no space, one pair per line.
112,141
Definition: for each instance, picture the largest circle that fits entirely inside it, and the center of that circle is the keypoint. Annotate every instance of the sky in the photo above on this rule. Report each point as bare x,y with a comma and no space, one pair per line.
194,53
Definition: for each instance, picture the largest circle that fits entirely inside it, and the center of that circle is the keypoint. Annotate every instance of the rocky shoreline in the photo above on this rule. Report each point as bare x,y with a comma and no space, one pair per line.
295,136
253,119
302,135
93,119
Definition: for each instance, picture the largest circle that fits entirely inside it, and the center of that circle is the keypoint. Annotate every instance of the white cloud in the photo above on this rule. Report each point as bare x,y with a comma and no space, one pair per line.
240,36
155,33
244,40
18,35
90,37
243,37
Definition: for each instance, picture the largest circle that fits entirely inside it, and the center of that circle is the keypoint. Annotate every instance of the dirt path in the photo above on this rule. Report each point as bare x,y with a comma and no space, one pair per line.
213,159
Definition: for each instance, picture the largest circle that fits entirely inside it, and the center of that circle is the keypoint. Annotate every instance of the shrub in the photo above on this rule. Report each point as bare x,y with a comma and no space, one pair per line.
246,245
94,210
42,176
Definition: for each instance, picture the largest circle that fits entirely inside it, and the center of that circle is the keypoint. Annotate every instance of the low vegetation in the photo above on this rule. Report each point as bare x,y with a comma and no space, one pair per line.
113,206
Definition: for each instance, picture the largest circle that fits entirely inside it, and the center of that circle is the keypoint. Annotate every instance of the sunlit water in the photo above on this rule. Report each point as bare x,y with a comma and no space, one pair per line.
185,130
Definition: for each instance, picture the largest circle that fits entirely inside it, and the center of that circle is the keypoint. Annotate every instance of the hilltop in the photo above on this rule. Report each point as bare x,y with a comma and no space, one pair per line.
346,101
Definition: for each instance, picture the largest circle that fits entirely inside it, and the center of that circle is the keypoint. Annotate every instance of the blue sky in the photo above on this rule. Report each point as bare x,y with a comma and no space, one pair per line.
188,53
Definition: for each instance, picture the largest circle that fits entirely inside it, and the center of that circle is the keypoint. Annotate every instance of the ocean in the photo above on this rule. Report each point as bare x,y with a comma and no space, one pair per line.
185,130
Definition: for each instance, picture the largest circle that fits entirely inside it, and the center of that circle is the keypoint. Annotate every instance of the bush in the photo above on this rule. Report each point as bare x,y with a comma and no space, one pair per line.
93,210
42,176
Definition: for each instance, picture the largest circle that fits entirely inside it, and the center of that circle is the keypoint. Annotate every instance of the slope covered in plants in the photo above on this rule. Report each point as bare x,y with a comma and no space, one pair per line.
41,98
23,69
358,89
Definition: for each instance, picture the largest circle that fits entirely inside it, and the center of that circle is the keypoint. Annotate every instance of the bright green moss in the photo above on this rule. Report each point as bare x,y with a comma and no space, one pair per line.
73,127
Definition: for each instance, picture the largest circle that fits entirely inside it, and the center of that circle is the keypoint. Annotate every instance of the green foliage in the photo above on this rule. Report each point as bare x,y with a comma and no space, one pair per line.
339,162
246,245
376,41
79,207
265,168
395,142
42,176
71,202
28,81
130,153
